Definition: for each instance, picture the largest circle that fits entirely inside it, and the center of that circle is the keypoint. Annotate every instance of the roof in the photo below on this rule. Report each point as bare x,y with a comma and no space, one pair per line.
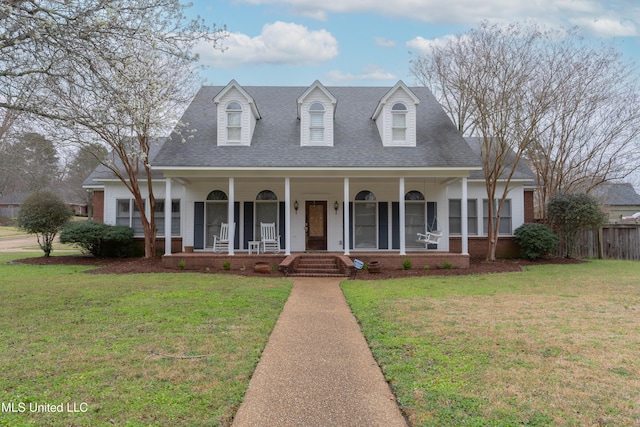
523,172
14,198
101,172
617,194
276,140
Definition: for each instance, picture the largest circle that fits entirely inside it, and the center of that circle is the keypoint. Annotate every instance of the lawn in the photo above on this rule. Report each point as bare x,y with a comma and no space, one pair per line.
130,350
555,345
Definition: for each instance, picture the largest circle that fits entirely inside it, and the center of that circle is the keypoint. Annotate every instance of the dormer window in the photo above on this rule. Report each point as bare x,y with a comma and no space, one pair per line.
316,122
234,122
399,122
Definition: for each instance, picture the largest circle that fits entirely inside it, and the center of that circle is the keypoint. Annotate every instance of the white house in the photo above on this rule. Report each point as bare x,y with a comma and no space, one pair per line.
337,169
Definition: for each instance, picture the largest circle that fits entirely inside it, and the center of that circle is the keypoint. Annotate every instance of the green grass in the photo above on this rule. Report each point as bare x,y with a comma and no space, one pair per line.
556,345
147,349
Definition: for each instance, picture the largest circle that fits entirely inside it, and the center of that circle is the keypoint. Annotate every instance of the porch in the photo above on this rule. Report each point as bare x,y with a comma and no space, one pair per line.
287,263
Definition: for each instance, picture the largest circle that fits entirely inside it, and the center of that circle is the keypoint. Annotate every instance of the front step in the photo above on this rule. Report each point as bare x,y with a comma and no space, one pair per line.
316,266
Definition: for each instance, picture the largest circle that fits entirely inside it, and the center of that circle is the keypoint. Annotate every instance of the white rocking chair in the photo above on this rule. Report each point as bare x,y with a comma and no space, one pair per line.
268,238
221,241
430,237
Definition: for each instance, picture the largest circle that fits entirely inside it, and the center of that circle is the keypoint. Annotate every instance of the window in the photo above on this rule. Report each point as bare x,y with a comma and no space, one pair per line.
365,221
175,217
414,218
216,213
455,216
505,216
128,214
266,210
399,122
316,122
234,122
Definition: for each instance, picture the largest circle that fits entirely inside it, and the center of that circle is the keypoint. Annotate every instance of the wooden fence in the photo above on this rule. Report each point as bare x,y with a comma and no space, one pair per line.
610,242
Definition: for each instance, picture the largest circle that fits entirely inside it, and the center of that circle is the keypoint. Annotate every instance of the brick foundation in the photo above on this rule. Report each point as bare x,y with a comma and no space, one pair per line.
478,246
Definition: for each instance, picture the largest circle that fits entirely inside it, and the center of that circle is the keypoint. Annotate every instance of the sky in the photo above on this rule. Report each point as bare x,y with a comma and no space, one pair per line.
371,42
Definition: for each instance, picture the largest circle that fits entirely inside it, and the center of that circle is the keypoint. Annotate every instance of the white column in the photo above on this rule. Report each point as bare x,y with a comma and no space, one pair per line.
465,215
287,216
403,250
347,237
231,215
167,217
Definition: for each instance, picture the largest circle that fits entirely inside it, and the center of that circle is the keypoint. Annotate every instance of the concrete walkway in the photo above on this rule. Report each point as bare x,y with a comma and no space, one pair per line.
317,369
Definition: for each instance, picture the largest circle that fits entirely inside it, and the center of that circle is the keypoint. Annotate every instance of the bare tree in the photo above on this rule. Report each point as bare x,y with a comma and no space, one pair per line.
495,81
119,71
590,133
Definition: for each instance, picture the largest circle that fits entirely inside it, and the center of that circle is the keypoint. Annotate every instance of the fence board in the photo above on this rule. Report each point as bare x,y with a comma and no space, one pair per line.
618,242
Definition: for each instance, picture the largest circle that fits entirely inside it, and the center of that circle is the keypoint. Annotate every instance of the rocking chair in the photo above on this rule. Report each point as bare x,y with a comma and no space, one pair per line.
221,241
268,238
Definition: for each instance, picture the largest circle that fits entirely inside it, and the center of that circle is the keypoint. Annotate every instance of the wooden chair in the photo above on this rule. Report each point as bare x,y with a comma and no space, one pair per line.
430,237
268,238
221,241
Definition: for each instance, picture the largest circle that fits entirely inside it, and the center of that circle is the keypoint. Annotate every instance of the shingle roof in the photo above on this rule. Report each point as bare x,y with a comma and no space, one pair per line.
618,194
276,140
101,172
523,172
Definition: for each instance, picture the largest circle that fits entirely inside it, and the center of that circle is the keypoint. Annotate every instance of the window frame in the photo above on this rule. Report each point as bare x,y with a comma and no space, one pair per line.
505,217
472,217
233,112
396,113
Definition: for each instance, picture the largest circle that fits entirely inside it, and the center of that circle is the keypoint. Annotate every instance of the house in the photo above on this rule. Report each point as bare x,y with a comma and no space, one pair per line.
336,169
11,203
618,199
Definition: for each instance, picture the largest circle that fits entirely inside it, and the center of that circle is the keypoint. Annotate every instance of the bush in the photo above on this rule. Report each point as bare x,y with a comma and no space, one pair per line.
536,240
100,240
44,214
406,264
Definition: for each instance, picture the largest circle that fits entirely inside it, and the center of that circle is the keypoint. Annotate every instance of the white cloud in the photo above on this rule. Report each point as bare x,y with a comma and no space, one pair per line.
607,27
371,72
621,18
422,46
383,42
279,43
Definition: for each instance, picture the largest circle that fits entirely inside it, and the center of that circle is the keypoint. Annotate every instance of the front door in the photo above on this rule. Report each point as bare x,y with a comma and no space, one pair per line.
316,225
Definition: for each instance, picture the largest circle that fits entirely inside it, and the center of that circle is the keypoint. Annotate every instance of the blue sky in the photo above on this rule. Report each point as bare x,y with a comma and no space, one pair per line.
370,42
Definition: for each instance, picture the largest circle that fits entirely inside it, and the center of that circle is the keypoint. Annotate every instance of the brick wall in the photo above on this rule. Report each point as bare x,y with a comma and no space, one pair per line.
98,205
507,247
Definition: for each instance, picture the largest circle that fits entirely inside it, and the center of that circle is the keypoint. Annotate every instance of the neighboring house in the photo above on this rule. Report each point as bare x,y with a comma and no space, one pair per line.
340,169
10,203
618,199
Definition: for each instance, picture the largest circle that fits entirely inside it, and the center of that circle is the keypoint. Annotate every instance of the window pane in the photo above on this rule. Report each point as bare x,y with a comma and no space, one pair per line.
265,212
216,214
472,213
455,216
122,212
414,223
136,219
399,134
316,135
159,217
399,120
234,119
365,225
175,217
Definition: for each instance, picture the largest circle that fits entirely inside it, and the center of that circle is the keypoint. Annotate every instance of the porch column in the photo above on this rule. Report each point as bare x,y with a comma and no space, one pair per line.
167,217
287,216
231,216
346,225
403,250
465,221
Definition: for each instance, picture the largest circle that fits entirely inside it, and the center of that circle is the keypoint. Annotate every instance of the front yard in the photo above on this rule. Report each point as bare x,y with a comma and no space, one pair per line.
146,349
556,345
553,345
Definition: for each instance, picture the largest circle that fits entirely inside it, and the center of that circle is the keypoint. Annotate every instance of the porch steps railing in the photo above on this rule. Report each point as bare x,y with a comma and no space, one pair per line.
316,266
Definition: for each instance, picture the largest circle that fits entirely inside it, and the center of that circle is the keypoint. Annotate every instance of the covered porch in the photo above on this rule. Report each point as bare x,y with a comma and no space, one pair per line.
347,212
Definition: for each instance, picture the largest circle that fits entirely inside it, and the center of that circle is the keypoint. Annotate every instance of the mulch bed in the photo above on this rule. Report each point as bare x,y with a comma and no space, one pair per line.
154,265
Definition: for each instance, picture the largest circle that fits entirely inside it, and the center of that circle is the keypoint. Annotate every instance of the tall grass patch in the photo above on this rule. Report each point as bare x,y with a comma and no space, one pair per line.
555,345
146,349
